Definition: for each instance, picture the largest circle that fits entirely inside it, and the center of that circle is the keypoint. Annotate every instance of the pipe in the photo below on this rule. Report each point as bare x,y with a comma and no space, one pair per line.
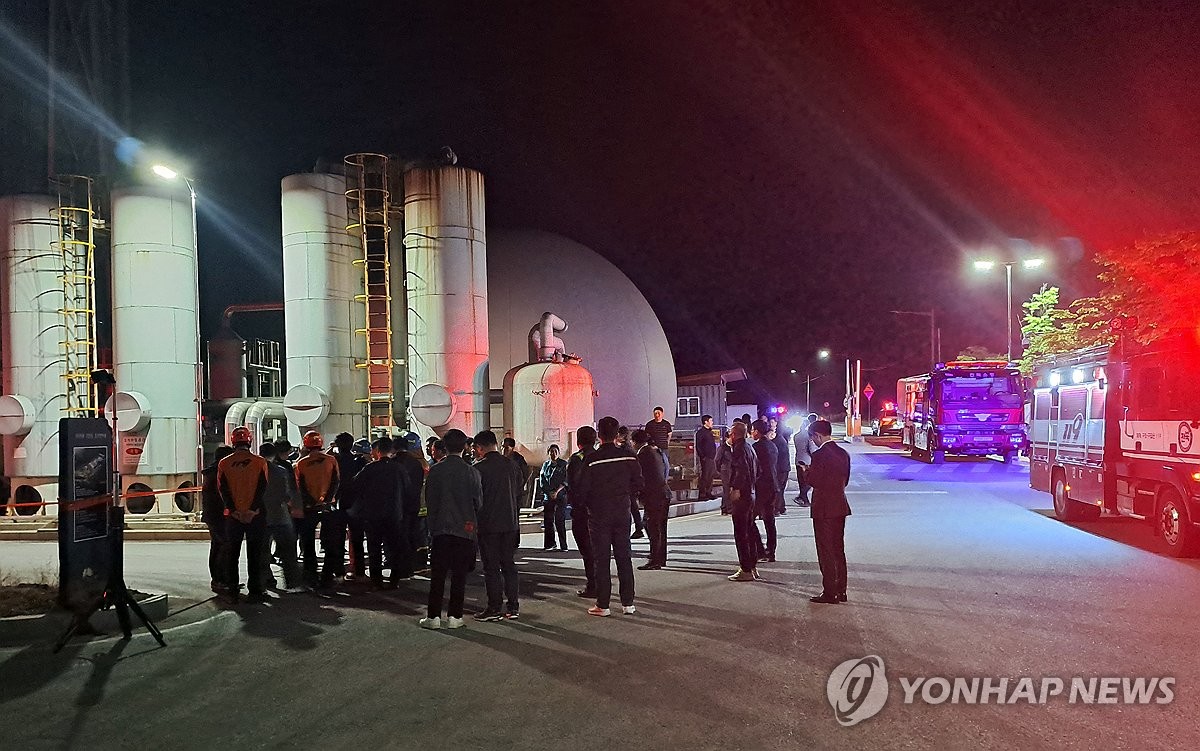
234,417
250,307
256,414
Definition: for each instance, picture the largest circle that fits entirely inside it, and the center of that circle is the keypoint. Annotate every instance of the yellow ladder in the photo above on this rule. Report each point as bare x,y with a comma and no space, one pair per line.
368,201
76,247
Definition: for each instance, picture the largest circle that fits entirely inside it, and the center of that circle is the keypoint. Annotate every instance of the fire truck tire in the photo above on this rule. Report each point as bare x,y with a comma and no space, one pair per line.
1065,508
1009,457
1175,528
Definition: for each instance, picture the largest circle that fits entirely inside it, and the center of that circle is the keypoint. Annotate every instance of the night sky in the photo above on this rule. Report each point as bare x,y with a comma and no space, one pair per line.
774,176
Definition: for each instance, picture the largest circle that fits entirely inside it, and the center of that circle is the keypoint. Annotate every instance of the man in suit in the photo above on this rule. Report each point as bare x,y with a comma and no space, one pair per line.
654,498
706,457
828,475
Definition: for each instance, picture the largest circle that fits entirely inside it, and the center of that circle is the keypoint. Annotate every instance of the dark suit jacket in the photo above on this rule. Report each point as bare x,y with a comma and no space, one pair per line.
828,475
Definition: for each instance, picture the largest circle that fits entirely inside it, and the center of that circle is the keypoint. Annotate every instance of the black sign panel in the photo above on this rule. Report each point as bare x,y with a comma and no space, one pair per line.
85,496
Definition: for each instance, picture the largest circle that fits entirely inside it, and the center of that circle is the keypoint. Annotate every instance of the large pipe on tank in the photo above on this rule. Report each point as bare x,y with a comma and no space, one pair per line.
255,416
156,342
320,312
33,365
235,417
446,279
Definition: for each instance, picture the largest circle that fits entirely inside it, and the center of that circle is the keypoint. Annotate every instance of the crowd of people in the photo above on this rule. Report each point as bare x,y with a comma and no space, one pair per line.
456,499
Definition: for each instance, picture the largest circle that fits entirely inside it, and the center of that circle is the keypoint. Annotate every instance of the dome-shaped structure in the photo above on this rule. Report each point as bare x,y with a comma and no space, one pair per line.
610,323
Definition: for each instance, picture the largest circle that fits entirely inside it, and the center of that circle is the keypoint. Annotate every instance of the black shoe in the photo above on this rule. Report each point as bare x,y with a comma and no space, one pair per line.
586,594
256,597
512,615
649,567
489,615
770,558
637,535
563,549
842,597
825,599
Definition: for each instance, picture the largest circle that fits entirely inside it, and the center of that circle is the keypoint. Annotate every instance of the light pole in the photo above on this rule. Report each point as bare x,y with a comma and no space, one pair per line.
987,265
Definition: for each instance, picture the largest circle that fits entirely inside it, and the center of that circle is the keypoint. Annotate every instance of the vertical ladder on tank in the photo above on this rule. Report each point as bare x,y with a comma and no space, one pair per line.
76,248
369,206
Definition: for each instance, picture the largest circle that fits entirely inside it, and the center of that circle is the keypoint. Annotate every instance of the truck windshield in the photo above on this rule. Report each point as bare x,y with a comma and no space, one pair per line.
989,391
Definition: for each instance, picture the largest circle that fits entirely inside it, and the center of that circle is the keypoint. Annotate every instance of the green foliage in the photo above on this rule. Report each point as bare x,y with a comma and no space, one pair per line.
1156,281
1048,329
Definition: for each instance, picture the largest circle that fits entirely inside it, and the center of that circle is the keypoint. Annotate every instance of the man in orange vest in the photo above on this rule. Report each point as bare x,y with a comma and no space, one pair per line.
317,479
242,481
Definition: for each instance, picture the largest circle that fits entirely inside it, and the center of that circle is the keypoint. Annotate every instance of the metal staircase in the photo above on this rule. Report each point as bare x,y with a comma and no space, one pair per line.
76,247
368,202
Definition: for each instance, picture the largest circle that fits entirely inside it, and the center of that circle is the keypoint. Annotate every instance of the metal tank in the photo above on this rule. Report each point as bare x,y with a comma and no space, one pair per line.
156,342
446,279
320,281
31,354
546,403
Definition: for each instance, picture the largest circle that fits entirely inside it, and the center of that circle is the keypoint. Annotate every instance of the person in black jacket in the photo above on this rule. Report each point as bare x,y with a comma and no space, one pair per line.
508,447
766,487
639,526
412,534
829,474
212,513
654,498
609,480
378,492
499,531
586,440
350,464
706,457
743,474
783,463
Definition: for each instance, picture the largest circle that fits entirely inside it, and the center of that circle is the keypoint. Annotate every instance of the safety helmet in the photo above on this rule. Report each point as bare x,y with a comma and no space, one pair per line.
362,447
313,440
411,441
241,435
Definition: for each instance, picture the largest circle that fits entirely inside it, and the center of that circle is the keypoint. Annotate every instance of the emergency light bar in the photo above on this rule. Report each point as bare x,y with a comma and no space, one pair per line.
973,364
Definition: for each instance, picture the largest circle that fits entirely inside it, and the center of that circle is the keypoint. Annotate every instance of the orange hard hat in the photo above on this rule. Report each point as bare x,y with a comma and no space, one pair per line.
313,440
240,435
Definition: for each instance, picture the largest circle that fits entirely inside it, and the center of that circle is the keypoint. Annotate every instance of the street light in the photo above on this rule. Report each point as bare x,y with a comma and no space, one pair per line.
988,265
164,172
823,354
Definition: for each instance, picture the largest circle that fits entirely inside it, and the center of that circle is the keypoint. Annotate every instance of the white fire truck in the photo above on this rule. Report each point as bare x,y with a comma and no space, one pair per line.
1114,430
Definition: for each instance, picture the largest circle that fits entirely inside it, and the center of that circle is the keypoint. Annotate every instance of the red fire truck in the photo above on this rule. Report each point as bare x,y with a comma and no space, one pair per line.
966,407
1113,431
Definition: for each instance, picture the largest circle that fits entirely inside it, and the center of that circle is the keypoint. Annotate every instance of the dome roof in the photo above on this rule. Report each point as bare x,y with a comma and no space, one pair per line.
610,323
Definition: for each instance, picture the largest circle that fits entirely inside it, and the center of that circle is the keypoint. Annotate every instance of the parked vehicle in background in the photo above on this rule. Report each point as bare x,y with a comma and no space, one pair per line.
1114,430
967,407
887,421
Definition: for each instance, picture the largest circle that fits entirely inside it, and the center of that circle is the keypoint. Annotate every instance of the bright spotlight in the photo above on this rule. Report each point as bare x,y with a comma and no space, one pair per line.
164,172
985,265
823,354
1033,263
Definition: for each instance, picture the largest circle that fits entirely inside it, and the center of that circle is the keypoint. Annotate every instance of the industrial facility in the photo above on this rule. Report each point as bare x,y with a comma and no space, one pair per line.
399,314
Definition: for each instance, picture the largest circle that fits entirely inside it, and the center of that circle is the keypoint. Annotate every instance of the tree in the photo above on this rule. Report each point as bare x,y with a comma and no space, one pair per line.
1048,329
979,352
1156,281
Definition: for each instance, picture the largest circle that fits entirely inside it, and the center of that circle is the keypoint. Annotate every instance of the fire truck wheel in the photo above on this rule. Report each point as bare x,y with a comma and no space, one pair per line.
1068,510
1178,535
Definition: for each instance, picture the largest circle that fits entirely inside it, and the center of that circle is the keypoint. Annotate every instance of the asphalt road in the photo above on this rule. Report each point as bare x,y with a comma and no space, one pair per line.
955,571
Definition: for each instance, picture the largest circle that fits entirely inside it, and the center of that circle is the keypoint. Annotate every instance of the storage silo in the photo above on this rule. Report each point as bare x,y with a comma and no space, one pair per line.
320,281
446,279
156,342
31,354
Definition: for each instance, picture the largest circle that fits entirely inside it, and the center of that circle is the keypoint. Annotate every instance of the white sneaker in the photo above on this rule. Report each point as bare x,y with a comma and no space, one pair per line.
452,622
628,609
433,623
599,611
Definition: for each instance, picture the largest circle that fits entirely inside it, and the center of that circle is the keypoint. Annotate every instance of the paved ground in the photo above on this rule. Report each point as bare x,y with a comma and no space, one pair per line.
954,571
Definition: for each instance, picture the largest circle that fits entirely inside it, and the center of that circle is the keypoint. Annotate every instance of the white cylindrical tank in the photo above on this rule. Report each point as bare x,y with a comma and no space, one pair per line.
546,403
156,339
320,281
31,353
446,277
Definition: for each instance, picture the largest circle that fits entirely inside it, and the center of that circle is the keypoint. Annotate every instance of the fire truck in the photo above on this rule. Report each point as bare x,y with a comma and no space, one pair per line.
1113,430
968,407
